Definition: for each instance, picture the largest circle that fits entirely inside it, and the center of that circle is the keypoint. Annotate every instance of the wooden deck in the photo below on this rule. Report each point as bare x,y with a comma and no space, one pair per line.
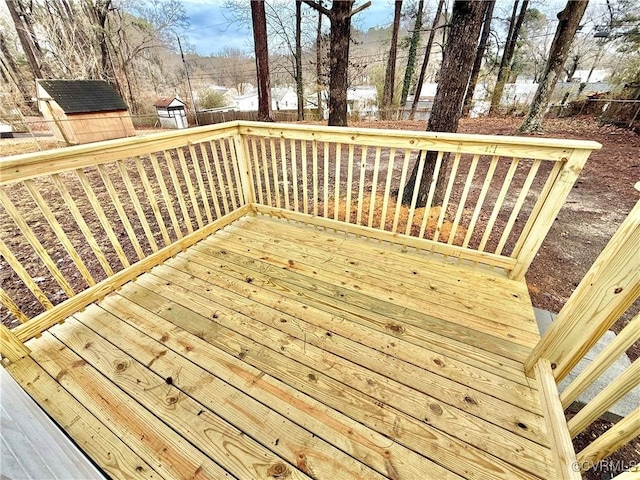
279,350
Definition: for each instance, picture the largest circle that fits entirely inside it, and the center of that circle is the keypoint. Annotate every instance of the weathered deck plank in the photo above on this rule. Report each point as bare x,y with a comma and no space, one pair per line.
243,358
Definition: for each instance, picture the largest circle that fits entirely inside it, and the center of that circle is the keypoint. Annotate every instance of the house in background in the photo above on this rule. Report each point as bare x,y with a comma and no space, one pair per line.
83,111
281,99
171,112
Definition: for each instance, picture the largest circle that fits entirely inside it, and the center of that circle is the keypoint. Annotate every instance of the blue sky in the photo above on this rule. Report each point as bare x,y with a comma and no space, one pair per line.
210,31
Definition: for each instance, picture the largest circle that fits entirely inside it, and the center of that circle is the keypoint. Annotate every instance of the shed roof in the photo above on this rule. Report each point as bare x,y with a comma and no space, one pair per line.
83,96
165,102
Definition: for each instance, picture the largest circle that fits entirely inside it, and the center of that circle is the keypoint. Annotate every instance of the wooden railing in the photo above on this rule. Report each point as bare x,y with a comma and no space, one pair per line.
79,222
499,195
604,295
82,221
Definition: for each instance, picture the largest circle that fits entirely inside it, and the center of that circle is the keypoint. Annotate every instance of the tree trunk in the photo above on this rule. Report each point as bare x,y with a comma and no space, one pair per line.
319,81
507,56
390,73
25,39
339,61
340,17
12,71
482,46
411,56
569,20
299,86
425,62
455,73
259,20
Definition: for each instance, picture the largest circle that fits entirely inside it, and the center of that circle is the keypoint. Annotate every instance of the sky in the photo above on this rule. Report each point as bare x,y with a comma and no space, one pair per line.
210,29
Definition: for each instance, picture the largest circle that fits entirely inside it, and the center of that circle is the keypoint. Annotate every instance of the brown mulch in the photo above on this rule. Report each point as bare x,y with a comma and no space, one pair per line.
601,199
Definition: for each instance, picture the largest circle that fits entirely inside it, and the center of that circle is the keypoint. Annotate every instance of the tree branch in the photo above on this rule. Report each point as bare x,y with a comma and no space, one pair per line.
320,8
359,9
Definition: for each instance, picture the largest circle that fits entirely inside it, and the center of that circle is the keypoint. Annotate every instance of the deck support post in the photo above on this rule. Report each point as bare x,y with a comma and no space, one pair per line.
564,456
11,348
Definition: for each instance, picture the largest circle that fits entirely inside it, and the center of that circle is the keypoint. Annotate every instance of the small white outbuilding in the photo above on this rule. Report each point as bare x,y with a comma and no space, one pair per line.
171,112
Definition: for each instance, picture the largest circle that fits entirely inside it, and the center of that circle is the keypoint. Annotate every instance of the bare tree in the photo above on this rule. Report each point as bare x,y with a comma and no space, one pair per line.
425,62
455,73
390,73
259,20
411,56
569,21
319,45
507,56
25,39
299,84
340,18
482,46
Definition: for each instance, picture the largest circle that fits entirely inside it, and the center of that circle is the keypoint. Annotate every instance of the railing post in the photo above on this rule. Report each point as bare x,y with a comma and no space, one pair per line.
552,204
610,286
246,177
11,348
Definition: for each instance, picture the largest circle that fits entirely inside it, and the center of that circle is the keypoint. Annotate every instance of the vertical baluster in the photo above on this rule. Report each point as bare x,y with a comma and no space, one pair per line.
314,153
294,174
221,180
403,178
274,171
551,179
151,196
235,163
165,194
432,191
177,187
256,168
347,205
305,192
227,172
481,198
337,179
325,189
102,217
126,179
374,186
190,190
10,305
518,205
285,173
447,195
201,188
124,218
387,188
498,204
60,233
84,228
29,282
35,243
463,198
363,172
209,173
265,169
416,190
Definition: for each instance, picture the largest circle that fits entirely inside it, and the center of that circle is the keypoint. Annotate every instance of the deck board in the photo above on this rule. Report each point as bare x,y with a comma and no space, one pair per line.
278,350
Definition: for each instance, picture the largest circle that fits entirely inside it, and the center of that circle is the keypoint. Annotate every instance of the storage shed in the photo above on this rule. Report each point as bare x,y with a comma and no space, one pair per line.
171,112
83,111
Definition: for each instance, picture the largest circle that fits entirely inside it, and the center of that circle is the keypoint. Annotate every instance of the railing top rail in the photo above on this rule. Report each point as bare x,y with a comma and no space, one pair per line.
47,162
247,126
31,165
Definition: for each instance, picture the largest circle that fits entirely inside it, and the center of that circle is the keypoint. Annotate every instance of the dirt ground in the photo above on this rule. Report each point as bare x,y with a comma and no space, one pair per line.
601,199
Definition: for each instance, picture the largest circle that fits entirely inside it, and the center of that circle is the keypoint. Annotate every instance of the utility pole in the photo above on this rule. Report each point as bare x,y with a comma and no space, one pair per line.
186,69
